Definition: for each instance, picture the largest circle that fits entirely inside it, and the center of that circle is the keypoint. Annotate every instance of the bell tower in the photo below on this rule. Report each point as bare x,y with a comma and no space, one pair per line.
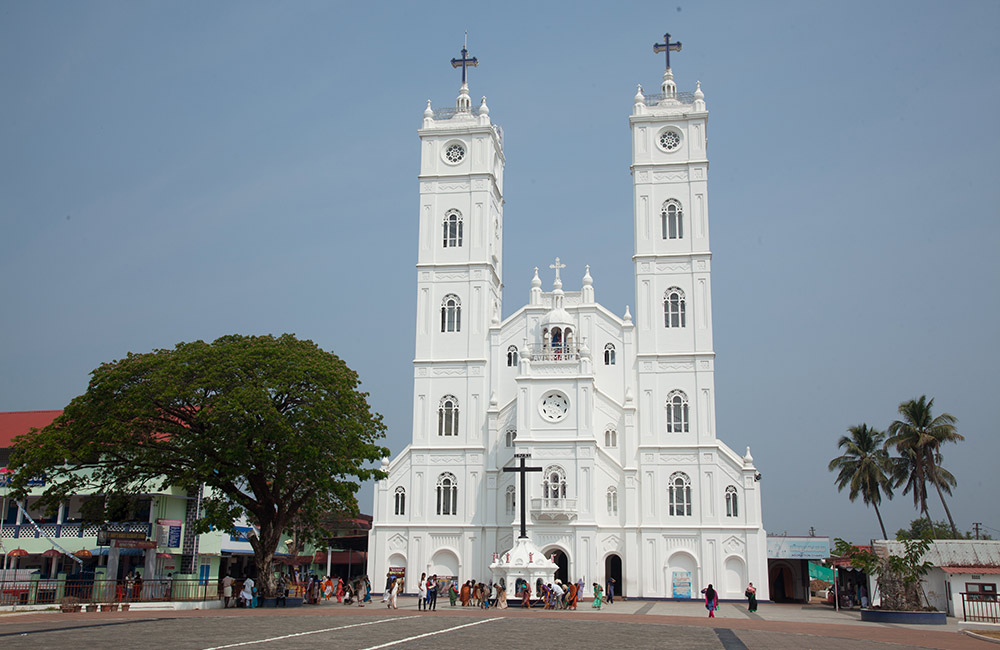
459,267
675,357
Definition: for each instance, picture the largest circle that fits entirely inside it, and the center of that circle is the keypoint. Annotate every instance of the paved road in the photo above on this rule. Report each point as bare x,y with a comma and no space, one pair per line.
635,625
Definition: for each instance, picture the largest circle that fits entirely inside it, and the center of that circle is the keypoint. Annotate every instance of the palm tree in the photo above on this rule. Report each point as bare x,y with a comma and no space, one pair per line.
919,431
863,467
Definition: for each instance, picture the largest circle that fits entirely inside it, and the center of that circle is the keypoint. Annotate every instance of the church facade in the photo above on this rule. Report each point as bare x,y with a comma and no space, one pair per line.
617,411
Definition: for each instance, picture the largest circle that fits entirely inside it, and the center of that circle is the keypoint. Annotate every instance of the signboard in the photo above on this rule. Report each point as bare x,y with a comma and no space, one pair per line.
168,532
104,537
397,571
134,543
682,584
798,548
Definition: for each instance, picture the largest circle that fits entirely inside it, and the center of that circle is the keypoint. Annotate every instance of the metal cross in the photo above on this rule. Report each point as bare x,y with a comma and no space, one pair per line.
557,266
464,62
523,471
668,47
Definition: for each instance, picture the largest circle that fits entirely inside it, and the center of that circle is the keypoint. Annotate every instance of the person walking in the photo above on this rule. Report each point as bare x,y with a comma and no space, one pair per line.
422,592
751,594
396,590
432,593
390,582
452,592
711,600
227,590
465,594
611,591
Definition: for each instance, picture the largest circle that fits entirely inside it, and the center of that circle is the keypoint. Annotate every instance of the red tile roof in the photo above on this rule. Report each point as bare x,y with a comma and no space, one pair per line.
15,423
994,570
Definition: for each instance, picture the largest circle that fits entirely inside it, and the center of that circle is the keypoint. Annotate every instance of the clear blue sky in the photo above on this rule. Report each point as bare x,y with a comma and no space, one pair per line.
179,171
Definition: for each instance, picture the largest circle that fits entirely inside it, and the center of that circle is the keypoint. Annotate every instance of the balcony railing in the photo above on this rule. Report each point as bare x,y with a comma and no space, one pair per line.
71,530
554,508
684,98
559,352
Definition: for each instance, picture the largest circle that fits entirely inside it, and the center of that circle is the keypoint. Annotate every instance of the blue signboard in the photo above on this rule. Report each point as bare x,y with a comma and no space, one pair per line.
798,548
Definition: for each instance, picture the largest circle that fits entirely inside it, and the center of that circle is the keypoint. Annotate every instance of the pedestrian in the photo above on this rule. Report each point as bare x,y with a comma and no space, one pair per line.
598,593
281,591
611,591
711,600
246,594
573,593
432,593
227,590
452,592
502,594
389,583
751,594
367,588
422,592
525,595
396,590
339,589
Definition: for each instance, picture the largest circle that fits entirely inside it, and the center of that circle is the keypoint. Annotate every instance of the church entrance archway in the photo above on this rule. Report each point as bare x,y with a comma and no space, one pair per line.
613,569
562,561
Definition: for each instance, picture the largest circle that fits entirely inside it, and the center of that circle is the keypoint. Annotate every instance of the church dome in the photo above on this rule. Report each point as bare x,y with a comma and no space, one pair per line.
558,316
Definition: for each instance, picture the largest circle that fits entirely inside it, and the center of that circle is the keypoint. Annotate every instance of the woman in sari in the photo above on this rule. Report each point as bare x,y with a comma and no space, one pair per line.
465,594
598,592
571,602
751,595
711,601
452,593
340,590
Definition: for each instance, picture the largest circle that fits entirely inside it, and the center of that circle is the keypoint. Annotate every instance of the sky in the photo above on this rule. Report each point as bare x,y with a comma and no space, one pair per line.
179,171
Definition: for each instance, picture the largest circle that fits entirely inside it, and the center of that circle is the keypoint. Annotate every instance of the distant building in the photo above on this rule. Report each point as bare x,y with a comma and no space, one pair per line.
788,560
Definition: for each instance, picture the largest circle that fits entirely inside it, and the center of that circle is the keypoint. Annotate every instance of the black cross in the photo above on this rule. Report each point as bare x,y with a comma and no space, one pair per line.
464,62
665,46
523,471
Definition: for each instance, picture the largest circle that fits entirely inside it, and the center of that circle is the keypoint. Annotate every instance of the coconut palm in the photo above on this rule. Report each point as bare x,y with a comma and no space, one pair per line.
919,431
864,467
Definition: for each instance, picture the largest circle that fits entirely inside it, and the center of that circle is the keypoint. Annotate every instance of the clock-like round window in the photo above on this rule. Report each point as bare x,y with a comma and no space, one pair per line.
454,153
669,140
554,406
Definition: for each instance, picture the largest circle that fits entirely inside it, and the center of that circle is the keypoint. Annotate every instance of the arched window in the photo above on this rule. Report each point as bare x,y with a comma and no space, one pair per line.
609,354
677,412
512,356
679,495
510,501
451,314
732,505
510,437
448,416
673,220
674,308
447,494
612,500
610,437
400,500
554,484
453,229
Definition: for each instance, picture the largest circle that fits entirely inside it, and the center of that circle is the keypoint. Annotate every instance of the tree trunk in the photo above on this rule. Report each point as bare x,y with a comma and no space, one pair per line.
880,524
264,545
951,521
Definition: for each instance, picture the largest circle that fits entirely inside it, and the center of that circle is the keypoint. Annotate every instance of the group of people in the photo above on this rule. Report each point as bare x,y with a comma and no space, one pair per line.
712,599
313,590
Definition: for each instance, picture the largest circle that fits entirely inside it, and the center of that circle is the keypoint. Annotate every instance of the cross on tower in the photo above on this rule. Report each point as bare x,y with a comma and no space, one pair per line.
523,471
464,62
557,266
668,47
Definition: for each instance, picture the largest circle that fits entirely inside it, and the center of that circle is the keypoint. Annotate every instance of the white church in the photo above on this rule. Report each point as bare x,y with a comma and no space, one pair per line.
617,410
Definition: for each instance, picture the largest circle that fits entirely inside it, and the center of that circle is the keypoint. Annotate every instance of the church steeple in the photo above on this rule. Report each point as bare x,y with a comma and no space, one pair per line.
464,102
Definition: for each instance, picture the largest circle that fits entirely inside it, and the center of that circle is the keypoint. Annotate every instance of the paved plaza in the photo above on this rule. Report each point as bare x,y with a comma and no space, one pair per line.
632,624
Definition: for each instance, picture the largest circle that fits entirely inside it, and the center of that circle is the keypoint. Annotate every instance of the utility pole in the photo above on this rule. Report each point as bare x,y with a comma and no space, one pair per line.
812,531
976,525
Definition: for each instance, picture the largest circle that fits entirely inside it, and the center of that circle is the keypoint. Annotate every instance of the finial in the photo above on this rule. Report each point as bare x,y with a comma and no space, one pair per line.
493,399
628,316
697,92
639,97
587,280
428,112
747,458
536,282
483,108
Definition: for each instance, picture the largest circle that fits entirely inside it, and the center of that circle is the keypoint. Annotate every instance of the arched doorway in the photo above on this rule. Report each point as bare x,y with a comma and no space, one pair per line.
781,584
735,578
562,561
613,569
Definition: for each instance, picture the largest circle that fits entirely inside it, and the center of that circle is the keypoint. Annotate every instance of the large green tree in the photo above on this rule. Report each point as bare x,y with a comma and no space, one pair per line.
864,467
274,429
917,430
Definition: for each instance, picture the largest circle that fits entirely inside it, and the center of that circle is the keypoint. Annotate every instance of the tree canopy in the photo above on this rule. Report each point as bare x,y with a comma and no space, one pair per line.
274,428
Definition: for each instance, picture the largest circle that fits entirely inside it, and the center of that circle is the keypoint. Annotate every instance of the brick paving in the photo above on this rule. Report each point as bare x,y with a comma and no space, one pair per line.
635,624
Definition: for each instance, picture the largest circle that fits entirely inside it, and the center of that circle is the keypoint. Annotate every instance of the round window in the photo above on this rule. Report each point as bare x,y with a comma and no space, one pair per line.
670,140
454,153
554,406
